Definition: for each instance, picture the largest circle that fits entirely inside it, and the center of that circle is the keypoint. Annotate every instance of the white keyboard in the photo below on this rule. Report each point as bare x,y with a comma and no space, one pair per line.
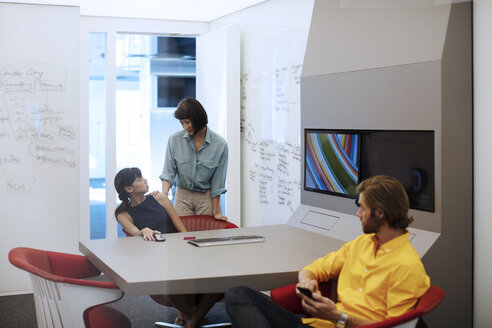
244,239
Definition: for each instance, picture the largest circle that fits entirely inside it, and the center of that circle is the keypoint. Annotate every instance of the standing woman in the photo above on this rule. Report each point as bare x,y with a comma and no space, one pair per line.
197,159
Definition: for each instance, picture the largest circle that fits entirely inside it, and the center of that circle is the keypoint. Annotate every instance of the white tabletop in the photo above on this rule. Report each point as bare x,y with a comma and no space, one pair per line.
140,267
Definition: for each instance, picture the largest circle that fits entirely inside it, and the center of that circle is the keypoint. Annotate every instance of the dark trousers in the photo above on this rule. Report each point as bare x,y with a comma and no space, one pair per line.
248,308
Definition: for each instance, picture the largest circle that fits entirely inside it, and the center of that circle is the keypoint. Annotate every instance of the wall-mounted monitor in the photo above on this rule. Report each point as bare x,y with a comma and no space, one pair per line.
337,160
332,162
405,155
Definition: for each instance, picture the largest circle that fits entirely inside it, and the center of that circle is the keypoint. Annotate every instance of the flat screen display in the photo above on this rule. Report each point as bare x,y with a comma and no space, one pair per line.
332,161
405,155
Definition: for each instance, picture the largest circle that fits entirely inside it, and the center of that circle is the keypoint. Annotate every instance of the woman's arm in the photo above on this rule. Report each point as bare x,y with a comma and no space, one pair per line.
173,215
126,222
215,209
165,187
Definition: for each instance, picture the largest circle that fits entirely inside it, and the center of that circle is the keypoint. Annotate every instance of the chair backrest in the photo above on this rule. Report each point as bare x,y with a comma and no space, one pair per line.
61,293
201,222
205,222
428,302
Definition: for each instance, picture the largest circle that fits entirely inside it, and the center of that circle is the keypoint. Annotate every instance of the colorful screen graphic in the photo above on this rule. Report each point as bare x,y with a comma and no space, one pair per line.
332,162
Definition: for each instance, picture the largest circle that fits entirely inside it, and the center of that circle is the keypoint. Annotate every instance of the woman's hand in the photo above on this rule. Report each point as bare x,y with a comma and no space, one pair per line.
220,217
148,234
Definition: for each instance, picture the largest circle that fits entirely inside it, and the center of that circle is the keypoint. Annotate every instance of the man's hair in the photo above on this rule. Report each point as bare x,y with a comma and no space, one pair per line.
387,194
190,108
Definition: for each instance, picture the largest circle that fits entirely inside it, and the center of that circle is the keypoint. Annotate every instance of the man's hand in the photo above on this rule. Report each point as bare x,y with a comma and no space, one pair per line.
321,307
310,284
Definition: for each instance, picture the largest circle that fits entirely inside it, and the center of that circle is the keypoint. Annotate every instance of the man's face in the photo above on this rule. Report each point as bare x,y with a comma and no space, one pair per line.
370,224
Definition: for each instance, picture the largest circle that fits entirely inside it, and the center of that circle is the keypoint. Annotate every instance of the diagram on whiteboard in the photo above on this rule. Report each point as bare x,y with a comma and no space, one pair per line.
270,141
34,133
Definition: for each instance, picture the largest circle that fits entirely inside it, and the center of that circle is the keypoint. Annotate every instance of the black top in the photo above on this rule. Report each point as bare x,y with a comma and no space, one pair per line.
151,214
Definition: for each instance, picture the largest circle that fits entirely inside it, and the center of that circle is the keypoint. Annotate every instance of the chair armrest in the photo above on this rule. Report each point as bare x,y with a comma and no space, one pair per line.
71,265
286,297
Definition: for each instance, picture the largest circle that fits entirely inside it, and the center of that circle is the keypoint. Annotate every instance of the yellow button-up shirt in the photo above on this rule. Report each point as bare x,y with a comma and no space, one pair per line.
373,283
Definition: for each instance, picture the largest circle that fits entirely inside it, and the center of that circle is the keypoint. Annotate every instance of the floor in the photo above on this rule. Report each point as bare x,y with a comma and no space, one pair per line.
19,311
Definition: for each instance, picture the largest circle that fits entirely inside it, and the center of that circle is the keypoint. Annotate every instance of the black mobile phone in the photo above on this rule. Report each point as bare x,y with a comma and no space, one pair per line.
305,291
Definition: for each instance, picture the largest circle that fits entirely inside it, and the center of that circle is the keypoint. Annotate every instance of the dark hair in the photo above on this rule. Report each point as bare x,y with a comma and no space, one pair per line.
125,178
387,194
190,108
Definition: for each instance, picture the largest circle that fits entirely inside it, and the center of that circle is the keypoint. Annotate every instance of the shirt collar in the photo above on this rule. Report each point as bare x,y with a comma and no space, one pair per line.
393,243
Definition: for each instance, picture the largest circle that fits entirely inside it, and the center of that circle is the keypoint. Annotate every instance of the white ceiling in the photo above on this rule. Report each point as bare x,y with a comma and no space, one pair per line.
188,10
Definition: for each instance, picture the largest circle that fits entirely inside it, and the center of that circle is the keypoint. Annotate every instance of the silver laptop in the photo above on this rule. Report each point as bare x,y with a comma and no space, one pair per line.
230,240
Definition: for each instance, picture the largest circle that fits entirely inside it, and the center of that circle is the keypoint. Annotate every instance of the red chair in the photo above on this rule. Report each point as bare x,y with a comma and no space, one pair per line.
287,298
63,295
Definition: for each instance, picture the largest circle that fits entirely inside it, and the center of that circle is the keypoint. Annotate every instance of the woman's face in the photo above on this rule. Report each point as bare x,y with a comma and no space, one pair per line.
188,126
140,185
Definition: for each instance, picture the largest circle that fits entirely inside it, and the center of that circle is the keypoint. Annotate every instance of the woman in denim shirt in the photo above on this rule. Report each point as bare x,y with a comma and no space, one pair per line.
196,159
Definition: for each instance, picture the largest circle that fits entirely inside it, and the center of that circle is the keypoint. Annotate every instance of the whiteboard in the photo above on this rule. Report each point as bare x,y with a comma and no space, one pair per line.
270,123
39,133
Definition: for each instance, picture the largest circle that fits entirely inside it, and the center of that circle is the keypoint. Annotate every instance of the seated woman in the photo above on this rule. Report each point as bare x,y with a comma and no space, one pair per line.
147,215
140,214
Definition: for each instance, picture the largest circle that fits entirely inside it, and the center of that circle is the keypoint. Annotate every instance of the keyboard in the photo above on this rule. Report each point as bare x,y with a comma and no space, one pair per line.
231,240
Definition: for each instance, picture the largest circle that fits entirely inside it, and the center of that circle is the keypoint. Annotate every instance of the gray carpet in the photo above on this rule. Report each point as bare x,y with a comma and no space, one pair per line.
19,311
143,311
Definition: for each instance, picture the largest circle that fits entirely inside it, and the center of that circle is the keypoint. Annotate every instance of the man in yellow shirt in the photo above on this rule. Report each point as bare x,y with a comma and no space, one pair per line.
379,273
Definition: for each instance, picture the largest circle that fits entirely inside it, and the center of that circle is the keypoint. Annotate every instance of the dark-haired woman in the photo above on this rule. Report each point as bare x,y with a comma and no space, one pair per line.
147,215
140,214
197,159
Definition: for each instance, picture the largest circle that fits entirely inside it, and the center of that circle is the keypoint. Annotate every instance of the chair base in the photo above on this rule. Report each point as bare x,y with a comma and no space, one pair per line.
160,324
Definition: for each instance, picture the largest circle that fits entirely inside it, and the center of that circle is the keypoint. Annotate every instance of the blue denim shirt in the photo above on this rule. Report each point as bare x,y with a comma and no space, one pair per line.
196,171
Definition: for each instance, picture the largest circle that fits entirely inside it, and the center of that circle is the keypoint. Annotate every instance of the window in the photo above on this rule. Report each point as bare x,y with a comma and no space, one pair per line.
152,74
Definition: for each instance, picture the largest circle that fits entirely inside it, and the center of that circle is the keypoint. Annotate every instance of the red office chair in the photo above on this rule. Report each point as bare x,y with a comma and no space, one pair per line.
287,298
63,296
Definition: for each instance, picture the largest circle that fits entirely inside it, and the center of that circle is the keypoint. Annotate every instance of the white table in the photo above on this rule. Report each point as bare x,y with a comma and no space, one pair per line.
140,267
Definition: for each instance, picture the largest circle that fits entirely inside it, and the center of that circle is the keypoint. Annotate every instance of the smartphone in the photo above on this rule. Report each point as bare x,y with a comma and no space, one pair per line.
305,291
